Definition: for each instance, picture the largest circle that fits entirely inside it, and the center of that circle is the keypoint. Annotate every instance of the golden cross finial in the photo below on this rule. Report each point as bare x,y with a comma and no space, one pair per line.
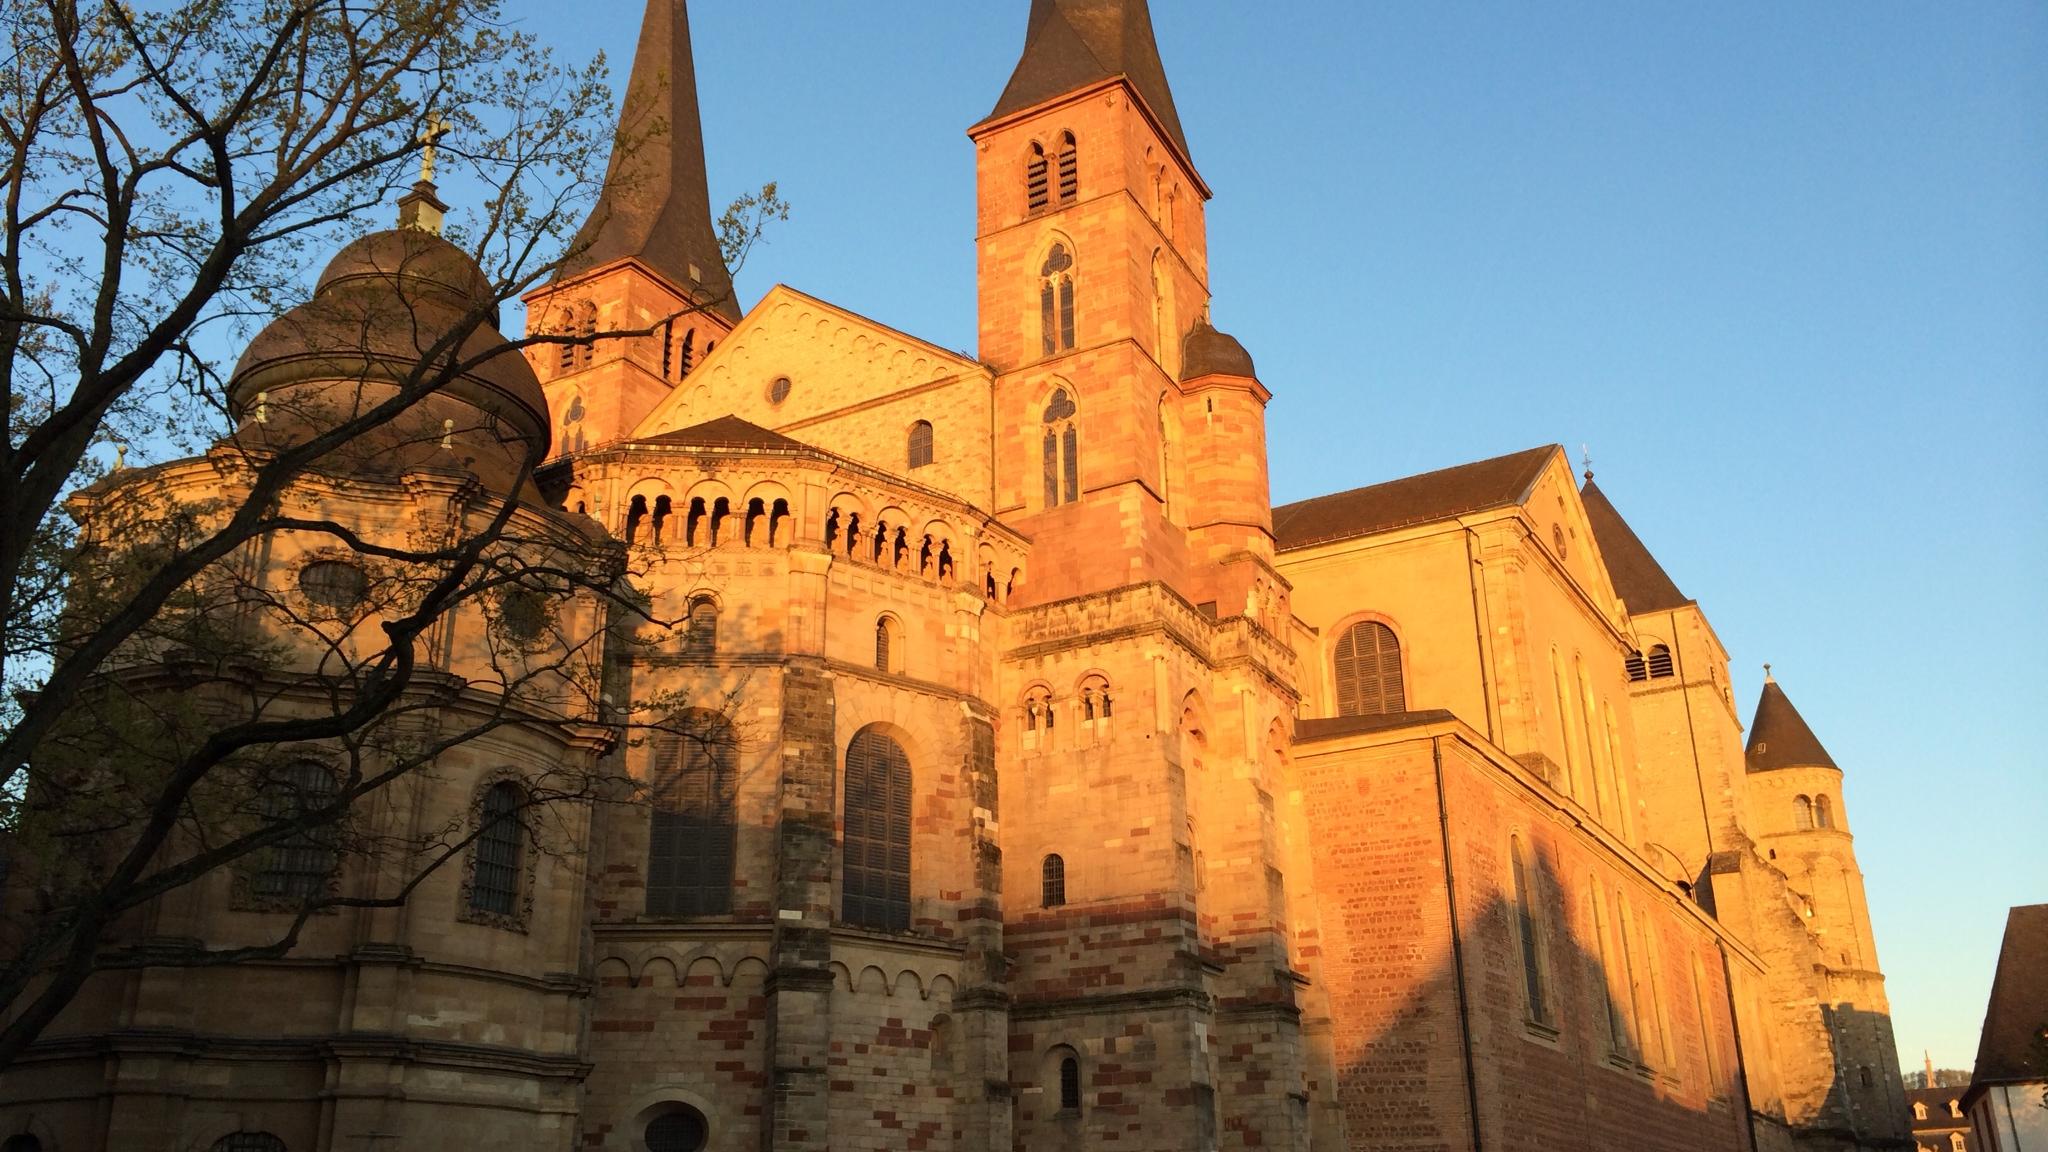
1586,461
430,137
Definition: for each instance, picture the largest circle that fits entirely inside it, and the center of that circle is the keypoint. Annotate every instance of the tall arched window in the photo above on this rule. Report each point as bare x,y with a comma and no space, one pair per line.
690,832
1062,450
686,353
1070,1084
1037,182
876,887
1056,299
1823,812
1070,169
500,850
1617,1028
1660,662
1802,813
888,649
920,443
1369,671
700,635
1052,882
299,866
1529,929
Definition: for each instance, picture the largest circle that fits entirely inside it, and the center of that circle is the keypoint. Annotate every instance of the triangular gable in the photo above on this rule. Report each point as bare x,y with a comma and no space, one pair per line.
1558,512
834,359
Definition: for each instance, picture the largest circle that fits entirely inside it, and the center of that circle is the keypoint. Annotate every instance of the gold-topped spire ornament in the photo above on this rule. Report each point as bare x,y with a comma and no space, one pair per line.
421,209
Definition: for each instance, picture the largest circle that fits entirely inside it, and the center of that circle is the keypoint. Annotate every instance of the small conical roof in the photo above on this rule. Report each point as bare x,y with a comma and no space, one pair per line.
1071,44
656,203
1639,580
1208,352
1779,737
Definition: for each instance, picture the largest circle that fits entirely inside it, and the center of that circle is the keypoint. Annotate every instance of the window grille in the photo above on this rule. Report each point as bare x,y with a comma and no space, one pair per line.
1660,662
1369,671
248,1142
333,583
690,840
920,444
1052,882
876,888
683,1130
1070,1084
299,866
499,852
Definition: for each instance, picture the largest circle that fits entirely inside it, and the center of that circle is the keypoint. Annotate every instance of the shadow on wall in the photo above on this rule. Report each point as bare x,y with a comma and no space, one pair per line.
1565,1044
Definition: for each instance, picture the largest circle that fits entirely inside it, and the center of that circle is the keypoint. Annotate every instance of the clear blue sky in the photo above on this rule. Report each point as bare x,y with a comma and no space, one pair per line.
1784,267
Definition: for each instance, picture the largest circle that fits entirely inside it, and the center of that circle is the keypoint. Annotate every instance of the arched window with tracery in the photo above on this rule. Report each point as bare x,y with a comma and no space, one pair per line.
1052,881
1369,671
1037,180
1802,813
1070,169
690,833
1062,450
875,888
500,851
1056,299
1038,711
921,444
1096,701
700,635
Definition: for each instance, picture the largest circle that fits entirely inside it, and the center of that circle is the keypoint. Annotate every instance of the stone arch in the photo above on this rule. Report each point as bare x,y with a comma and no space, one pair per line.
614,968
703,964
942,987
910,977
842,975
752,967
653,966
879,985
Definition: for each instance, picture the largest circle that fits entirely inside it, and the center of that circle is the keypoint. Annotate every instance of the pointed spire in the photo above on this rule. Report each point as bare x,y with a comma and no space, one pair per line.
1639,580
1071,44
1779,737
656,204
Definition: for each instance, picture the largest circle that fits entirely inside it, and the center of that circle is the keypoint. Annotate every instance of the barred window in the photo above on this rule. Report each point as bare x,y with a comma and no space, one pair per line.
690,836
876,889
1369,671
299,866
248,1142
500,851
333,583
920,444
1052,881
1070,1084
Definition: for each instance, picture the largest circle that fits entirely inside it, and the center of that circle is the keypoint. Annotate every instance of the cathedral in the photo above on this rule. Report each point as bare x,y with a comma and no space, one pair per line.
1035,783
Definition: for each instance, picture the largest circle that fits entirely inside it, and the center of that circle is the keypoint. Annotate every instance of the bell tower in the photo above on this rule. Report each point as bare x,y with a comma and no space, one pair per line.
647,258
1093,274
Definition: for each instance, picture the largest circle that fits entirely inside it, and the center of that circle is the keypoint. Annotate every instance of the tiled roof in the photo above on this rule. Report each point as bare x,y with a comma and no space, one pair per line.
2010,1048
1071,44
1331,727
1779,737
1432,496
1639,580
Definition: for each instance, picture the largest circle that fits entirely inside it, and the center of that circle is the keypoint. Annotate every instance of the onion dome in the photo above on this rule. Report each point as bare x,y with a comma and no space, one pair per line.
1207,352
393,309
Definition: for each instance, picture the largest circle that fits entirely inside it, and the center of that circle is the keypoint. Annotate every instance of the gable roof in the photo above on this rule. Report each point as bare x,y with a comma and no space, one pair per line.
2010,1047
656,204
727,432
1071,44
1439,495
1779,737
1639,580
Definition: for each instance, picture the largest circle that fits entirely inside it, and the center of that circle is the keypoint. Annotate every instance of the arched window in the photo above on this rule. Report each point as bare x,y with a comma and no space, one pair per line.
1070,1084
1038,710
1096,701
1056,300
681,1129
22,1142
1919,1111
690,832
1956,1143
1617,1027
1530,932
300,865
1037,182
248,1142
920,443
700,636
663,509
888,653
1802,813
1062,450
1660,662
1070,169
1052,882
500,851
1369,671
686,353
1823,812
1635,667
636,511
876,888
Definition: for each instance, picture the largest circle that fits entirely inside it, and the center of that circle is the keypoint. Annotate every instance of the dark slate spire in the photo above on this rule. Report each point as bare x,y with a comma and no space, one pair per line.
1779,737
1639,580
656,204
1071,44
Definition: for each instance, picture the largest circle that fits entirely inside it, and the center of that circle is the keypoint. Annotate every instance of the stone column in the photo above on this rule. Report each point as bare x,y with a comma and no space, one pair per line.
799,984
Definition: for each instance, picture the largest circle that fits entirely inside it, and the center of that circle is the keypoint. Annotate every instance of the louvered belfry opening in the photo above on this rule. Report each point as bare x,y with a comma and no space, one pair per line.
1070,169
875,892
1369,671
1037,185
1634,665
921,444
1660,664
690,837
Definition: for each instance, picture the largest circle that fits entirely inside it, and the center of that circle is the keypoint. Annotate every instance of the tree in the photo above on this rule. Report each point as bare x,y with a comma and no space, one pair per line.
172,175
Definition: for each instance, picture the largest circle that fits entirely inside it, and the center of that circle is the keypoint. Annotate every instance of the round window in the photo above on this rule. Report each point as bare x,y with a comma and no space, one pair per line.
523,613
680,1130
779,390
333,583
